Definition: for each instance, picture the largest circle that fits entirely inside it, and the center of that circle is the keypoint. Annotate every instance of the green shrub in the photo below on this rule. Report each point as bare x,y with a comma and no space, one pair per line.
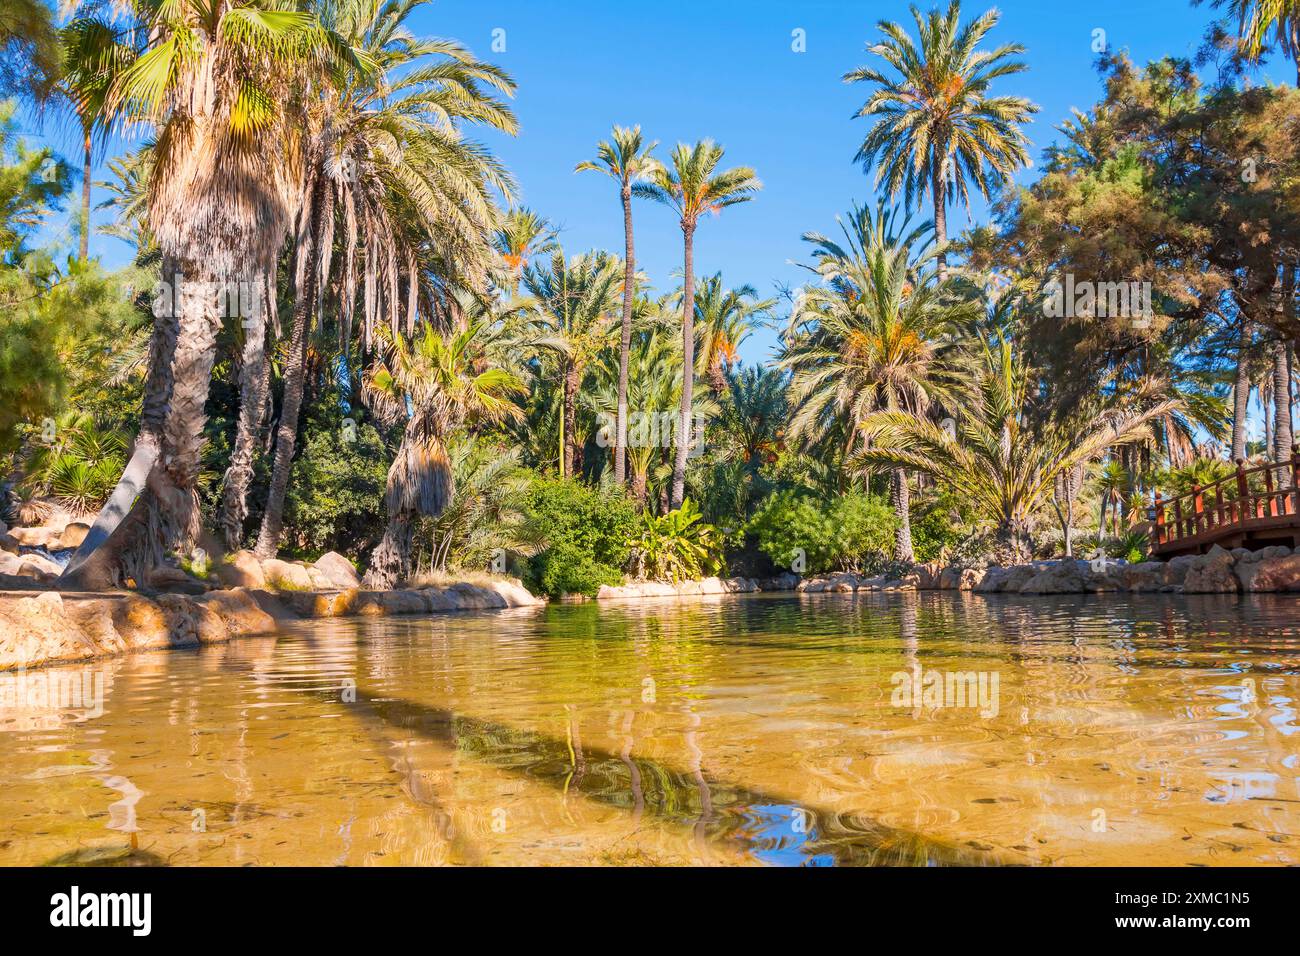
586,532
677,546
853,531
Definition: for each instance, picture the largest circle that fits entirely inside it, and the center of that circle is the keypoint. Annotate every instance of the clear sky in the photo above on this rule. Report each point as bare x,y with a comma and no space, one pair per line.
727,69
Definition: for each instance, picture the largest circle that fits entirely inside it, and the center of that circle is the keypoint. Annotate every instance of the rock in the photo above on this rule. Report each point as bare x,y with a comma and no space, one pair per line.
338,570
1176,569
1263,554
788,581
40,537
1062,577
34,630
241,613
241,569
929,576
998,580
513,592
1280,573
1147,577
1211,573
74,534
286,575
37,563
8,542
970,578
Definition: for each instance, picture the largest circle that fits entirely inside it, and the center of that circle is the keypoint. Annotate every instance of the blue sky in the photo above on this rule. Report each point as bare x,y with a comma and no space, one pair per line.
726,69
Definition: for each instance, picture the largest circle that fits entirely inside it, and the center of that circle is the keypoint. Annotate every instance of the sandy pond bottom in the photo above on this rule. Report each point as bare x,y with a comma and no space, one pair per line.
818,730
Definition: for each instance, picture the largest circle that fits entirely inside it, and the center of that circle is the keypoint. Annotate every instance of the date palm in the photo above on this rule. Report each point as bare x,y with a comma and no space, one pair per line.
871,336
936,128
575,302
1006,453
433,382
522,236
217,83
387,166
723,319
624,157
1256,19
691,185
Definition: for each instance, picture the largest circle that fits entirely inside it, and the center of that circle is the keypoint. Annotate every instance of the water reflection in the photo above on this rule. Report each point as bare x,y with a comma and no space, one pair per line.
760,729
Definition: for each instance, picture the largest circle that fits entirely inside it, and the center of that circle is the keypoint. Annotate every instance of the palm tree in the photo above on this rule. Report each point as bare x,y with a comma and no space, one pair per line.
522,236
691,185
869,339
1006,455
218,84
626,158
1256,18
1113,484
386,160
432,384
575,301
936,128
723,319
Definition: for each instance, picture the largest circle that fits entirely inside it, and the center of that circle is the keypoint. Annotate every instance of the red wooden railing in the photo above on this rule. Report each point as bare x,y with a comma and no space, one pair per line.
1230,502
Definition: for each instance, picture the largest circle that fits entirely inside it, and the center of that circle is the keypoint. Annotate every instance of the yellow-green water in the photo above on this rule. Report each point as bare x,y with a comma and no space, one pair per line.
764,729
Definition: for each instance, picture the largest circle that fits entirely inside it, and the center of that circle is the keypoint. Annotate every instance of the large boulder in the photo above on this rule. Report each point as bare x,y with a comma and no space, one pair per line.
240,569
999,580
1281,573
1176,569
1211,573
38,629
73,534
338,570
241,614
286,575
782,582
1062,577
43,536
1146,577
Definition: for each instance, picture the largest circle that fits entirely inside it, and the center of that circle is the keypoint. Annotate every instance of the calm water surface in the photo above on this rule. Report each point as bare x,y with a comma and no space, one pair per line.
761,730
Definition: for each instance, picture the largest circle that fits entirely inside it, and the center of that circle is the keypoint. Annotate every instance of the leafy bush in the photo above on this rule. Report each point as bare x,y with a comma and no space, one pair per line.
586,531
677,546
853,531
336,491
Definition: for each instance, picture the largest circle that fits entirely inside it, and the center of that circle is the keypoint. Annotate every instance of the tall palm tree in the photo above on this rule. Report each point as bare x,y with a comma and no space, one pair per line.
575,302
1005,456
522,236
218,85
385,160
936,126
869,339
691,185
723,319
626,158
431,383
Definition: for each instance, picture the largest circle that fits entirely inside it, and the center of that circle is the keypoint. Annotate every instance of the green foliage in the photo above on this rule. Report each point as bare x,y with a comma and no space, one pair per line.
1132,546
587,531
336,491
938,528
850,532
78,466
677,546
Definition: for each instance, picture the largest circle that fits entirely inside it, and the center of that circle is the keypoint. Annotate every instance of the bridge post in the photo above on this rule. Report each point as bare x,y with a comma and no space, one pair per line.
1160,519
1295,479
1270,509
1243,491
1198,509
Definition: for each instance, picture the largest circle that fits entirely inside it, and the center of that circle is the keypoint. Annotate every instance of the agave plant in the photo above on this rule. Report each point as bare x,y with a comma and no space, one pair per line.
676,546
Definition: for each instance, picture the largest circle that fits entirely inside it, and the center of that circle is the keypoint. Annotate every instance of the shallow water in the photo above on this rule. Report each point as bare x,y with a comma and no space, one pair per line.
760,729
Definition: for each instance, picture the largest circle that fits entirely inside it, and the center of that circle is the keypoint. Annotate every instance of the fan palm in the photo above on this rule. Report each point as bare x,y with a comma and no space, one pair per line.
936,126
218,84
691,185
870,338
575,301
625,157
429,381
1005,456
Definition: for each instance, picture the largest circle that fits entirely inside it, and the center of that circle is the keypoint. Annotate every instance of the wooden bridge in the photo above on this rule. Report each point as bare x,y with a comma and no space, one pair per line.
1254,508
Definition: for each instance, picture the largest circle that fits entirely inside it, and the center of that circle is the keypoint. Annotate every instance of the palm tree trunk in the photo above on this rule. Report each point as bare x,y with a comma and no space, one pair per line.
154,509
717,379
625,344
572,376
902,499
639,479
286,436
1241,395
688,367
84,246
252,400
390,562
1282,436
939,193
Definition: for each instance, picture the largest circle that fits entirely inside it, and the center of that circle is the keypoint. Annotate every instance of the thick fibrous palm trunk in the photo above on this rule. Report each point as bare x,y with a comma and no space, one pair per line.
1241,396
286,434
901,495
1014,545
572,377
625,343
639,488
390,563
252,402
134,531
717,378
688,368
